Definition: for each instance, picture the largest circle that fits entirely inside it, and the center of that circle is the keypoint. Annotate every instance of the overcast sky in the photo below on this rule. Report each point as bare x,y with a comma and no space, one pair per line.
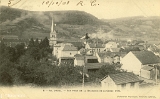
106,9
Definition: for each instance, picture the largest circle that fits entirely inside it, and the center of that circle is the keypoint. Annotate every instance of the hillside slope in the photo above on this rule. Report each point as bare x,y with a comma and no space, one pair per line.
136,27
36,24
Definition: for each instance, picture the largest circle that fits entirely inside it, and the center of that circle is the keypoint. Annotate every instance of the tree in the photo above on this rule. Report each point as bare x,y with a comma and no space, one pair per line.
36,43
103,71
2,47
27,66
44,43
31,43
20,50
8,72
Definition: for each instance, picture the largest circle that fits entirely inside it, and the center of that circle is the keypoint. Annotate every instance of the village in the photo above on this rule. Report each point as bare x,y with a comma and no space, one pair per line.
138,61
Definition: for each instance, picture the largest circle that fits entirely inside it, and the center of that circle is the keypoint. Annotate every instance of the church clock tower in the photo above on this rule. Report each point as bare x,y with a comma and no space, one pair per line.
53,35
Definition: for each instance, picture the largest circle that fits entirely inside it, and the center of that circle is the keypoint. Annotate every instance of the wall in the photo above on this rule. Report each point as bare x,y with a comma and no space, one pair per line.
55,51
108,60
131,63
116,59
145,74
68,53
111,45
128,86
108,83
78,62
99,59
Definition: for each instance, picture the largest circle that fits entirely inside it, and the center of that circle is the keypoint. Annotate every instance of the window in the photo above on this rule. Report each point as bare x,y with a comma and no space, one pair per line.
132,84
123,85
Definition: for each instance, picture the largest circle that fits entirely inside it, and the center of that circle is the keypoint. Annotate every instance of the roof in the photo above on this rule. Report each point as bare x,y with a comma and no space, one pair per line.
147,68
9,36
15,40
67,57
69,48
115,49
123,78
79,45
146,57
99,45
94,65
79,57
111,54
91,57
83,50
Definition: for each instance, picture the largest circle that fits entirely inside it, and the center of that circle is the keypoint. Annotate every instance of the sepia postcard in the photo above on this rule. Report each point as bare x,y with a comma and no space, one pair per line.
79,49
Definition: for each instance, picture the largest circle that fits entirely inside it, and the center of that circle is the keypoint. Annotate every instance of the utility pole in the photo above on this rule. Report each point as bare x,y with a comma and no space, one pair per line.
84,65
156,74
86,38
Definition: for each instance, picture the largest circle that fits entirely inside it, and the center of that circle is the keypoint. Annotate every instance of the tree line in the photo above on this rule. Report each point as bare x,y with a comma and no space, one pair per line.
34,65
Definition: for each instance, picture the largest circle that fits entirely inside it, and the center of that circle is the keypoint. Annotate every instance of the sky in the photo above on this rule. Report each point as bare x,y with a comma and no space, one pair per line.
102,9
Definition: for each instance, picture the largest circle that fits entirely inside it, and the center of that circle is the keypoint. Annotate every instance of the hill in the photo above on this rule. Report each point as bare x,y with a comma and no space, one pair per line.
27,24
136,27
74,24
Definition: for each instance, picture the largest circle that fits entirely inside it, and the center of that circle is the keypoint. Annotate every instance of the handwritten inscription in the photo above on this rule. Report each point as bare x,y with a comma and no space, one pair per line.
58,3
49,3
61,3
13,2
92,3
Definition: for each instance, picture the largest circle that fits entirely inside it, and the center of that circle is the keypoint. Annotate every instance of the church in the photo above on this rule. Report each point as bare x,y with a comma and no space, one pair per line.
53,35
63,49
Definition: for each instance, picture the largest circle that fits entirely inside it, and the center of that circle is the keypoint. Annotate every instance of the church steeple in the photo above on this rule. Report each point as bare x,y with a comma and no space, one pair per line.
52,26
53,35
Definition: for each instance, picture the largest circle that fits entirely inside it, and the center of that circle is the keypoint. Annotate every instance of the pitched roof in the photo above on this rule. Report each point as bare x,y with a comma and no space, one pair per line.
123,78
91,57
69,48
15,40
79,57
111,54
115,49
83,50
94,65
147,68
67,57
146,57
99,45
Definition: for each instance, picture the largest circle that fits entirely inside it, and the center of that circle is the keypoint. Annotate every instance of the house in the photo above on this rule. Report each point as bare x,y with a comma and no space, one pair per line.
110,57
85,51
65,52
114,49
78,60
91,59
93,67
111,44
135,61
154,49
120,81
14,42
94,47
58,47
66,61
148,72
9,37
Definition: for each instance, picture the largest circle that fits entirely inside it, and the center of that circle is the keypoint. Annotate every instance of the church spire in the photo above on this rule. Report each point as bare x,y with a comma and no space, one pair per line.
52,26
53,35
